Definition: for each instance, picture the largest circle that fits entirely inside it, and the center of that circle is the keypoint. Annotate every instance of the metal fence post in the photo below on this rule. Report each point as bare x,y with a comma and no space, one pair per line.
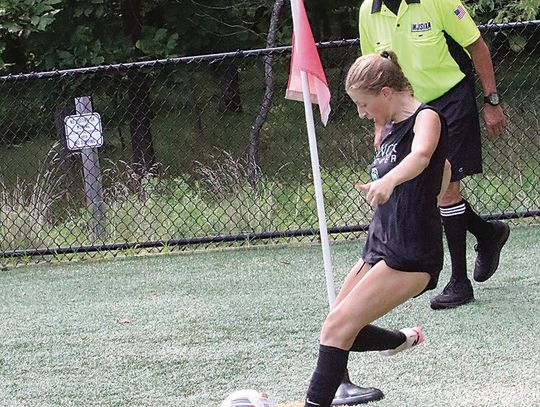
92,176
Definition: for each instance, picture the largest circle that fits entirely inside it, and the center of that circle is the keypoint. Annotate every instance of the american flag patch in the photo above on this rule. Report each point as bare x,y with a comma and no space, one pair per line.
460,12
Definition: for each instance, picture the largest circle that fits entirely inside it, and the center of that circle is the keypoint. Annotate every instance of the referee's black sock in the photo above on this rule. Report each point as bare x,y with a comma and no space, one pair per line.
331,366
371,338
455,228
479,227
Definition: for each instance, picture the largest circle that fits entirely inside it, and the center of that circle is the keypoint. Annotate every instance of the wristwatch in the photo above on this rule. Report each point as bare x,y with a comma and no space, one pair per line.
493,99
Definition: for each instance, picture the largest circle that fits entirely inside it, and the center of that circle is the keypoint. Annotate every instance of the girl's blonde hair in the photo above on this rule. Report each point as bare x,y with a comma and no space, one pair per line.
370,73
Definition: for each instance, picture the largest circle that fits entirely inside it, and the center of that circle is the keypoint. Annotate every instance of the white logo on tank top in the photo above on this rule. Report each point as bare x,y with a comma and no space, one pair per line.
386,154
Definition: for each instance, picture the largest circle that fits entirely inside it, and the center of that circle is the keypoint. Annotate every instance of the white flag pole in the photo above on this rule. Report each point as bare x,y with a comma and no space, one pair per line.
318,190
316,175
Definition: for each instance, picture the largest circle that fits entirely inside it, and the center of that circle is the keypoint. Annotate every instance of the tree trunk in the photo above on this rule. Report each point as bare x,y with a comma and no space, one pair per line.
69,160
139,96
253,154
60,112
140,122
229,86
15,53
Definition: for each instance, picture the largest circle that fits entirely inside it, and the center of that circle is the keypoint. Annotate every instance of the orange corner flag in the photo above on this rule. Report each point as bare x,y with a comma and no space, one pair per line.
305,57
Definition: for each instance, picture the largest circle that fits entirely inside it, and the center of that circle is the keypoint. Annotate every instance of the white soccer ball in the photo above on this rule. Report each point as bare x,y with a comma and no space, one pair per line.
248,398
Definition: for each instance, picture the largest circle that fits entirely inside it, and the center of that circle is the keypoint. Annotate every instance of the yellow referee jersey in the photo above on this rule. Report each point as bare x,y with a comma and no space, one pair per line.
416,35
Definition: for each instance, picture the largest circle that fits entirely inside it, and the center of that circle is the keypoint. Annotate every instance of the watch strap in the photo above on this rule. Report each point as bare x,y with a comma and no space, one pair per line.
493,99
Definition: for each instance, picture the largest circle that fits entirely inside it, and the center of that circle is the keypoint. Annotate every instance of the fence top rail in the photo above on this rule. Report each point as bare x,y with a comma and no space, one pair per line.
212,58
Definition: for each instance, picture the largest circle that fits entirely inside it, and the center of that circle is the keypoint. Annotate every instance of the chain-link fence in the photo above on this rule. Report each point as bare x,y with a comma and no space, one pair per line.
206,150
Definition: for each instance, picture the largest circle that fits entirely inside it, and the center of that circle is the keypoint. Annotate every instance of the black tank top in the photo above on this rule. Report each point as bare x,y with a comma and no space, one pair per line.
406,231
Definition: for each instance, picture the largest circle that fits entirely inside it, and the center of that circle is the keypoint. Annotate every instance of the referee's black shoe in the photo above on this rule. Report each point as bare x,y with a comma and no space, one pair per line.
489,251
456,293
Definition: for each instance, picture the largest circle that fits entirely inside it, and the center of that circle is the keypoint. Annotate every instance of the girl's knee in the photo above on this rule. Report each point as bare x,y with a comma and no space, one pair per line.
328,331
336,332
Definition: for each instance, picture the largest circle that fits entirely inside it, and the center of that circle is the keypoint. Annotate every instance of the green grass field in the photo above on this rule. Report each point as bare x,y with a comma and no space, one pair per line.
186,330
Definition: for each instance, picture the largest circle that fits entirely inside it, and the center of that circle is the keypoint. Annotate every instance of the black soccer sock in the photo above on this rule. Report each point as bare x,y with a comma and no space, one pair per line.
331,366
480,228
372,338
455,228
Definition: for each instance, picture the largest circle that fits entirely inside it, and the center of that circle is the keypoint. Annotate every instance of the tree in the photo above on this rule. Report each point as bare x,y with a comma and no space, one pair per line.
503,11
74,37
333,21
18,20
140,119
253,154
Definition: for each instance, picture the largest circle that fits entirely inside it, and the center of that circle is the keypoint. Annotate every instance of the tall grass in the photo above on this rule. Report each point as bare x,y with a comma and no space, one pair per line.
219,202
25,210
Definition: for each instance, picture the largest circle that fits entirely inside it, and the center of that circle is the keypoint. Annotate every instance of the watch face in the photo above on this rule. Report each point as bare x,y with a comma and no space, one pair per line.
494,98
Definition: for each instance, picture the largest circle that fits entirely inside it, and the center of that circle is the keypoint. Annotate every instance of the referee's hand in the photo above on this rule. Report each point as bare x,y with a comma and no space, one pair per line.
494,119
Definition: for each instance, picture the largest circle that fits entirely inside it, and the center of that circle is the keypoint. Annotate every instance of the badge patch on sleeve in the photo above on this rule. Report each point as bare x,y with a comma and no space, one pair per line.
460,12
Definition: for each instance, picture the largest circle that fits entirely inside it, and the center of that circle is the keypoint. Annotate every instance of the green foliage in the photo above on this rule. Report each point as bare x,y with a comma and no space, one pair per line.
23,17
84,50
92,8
157,42
60,33
54,34
503,11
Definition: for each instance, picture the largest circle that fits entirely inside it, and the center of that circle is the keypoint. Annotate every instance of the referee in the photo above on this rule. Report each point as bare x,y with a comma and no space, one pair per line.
437,44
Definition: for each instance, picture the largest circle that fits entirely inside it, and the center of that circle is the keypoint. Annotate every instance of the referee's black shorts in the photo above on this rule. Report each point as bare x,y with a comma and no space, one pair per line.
458,106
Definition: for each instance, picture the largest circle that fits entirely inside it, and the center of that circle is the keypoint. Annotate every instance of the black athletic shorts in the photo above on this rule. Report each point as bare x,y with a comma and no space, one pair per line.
458,106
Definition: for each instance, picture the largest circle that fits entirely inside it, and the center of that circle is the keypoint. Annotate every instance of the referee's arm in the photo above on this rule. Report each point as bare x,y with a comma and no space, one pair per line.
493,115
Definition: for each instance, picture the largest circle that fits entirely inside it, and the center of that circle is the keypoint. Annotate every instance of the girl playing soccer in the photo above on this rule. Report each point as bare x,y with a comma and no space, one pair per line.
403,255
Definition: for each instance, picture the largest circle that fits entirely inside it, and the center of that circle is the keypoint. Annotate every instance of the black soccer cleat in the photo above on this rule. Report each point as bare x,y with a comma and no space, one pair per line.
349,394
455,293
488,252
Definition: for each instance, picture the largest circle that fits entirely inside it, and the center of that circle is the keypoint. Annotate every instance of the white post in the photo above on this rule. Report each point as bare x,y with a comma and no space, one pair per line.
316,177
92,176
318,190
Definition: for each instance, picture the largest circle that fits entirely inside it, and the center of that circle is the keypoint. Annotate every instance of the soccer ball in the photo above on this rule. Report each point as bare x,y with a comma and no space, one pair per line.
248,398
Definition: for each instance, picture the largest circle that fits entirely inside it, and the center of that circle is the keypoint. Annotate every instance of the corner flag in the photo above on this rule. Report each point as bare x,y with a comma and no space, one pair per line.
305,57
307,82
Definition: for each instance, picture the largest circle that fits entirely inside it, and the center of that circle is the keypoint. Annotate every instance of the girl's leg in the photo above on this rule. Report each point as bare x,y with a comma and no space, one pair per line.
370,337
375,293
328,374
331,361
378,292
358,271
